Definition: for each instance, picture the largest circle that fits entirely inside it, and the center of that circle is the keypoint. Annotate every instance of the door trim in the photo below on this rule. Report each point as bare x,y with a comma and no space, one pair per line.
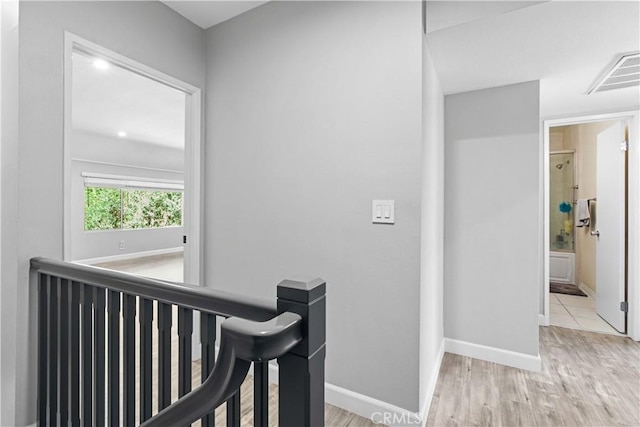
633,212
193,149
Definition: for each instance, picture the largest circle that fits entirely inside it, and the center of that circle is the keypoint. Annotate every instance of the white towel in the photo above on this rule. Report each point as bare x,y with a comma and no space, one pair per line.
582,213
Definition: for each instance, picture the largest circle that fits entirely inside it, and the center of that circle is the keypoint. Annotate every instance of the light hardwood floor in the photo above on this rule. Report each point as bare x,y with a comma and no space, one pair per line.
164,267
587,379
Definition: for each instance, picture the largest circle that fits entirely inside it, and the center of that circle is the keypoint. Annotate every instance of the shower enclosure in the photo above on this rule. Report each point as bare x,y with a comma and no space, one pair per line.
562,198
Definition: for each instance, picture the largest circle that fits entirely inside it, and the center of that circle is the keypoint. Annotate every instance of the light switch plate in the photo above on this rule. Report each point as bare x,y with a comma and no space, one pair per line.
383,212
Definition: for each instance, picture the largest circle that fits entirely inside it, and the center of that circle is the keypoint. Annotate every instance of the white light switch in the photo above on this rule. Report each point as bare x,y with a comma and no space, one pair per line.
382,212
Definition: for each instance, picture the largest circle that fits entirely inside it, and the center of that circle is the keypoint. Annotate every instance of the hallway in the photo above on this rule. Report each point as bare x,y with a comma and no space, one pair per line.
587,379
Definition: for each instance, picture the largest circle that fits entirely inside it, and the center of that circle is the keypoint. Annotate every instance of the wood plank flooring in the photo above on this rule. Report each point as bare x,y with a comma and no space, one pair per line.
587,379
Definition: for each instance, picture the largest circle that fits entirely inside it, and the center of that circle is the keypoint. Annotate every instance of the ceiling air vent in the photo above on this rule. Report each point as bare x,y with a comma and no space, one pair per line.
625,73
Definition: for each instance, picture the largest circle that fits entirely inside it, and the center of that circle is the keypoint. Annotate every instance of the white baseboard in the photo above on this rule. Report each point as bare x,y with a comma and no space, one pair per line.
587,290
426,403
493,354
365,406
542,320
373,409
378,411
273,373
130,255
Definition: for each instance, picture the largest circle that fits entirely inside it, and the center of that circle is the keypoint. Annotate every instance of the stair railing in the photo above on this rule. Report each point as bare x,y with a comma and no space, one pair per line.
87,330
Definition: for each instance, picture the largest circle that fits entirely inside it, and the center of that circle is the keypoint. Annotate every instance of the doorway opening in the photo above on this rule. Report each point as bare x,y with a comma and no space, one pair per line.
589,239
132,166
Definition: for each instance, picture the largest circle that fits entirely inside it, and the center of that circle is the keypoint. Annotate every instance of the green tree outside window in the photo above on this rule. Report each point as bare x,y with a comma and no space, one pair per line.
114,208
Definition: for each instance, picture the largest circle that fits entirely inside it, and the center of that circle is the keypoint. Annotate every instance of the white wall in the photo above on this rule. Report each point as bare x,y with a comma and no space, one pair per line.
314,110
8,206
493,251
148,32
126,152
102,154
432,230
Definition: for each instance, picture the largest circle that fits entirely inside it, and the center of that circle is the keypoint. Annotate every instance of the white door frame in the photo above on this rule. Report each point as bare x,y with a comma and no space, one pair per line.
633,231
193,149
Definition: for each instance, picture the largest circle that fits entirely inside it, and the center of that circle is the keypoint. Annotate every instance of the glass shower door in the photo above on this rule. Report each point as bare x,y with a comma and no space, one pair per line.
561,201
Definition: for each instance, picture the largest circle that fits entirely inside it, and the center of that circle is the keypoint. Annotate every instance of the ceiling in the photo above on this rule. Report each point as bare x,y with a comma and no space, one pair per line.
447,14
566,45
475,45
110,100
206,14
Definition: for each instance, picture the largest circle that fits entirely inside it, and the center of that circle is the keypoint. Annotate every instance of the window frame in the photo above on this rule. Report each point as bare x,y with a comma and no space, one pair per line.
129,183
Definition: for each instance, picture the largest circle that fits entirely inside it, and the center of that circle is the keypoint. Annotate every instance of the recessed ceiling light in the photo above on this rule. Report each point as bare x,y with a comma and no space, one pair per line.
100,64
122,134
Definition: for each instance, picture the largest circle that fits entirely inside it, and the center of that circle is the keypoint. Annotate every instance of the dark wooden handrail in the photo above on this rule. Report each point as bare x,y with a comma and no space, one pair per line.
241,342
96,340
222,303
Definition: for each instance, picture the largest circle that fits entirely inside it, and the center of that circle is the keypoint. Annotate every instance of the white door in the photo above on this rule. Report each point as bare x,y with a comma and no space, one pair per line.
609,226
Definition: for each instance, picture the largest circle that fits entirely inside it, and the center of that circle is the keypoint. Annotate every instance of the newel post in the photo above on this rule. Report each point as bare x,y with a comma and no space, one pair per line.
301,370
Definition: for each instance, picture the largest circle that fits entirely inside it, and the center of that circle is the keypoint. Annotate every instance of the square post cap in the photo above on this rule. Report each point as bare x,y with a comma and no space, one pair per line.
301,289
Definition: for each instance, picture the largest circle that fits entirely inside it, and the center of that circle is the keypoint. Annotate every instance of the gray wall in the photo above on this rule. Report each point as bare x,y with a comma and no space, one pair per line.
8,207
432,225
492,227
148,32
126,158
314,110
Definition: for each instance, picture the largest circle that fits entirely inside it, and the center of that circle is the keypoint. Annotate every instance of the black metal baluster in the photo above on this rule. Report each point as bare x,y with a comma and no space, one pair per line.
129,360
233,410
113,385
165,320
87,359
208,340
185,330
99,358
146,321
74,354
261,394
43,338
53,351
64,352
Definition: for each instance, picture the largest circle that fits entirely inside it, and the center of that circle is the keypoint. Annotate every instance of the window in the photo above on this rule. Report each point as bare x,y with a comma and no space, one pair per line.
102,208
113,203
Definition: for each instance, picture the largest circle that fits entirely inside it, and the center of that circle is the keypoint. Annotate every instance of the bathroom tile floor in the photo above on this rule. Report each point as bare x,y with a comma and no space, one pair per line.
575,312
